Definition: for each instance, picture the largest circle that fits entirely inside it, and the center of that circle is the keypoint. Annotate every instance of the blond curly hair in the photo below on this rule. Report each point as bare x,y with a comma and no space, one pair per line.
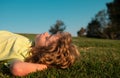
60,54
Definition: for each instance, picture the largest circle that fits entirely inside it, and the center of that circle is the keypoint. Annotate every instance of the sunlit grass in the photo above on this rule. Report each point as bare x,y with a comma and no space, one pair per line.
100,58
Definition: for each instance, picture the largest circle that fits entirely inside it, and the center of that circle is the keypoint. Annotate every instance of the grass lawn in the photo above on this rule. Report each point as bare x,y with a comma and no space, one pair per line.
100,58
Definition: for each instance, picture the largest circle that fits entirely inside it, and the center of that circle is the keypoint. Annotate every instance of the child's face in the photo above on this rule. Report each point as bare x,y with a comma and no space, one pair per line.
45,39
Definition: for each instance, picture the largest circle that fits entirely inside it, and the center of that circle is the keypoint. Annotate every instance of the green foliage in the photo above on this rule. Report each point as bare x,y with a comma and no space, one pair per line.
81,32
93,29
59,26
99,59
114,16
106,23
97,26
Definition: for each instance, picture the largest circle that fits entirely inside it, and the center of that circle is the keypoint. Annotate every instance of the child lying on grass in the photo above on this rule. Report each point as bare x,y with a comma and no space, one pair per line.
23,57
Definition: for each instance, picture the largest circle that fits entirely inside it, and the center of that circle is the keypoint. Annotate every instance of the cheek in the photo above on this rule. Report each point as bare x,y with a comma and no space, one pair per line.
49,42
40,42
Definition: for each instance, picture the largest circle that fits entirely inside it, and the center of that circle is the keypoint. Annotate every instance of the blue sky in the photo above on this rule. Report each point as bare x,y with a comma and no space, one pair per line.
36,16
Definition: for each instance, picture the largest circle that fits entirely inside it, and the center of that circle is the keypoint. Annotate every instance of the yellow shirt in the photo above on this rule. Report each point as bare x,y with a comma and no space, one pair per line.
13,46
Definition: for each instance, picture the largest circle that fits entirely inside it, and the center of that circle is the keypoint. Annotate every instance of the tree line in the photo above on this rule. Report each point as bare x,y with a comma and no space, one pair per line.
105,24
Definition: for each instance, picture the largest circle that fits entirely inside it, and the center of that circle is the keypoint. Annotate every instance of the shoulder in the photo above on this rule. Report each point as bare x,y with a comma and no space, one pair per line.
3,32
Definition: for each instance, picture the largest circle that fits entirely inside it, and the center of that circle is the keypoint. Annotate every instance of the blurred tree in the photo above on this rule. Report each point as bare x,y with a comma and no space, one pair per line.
102,18
59,26
114,16
81,32
93,29
108,32
96,28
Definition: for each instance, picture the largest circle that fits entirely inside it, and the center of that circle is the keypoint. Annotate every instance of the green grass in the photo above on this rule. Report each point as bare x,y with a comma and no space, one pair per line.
100,58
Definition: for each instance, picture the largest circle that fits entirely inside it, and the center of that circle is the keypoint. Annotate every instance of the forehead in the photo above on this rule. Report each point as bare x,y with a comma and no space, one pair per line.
55,36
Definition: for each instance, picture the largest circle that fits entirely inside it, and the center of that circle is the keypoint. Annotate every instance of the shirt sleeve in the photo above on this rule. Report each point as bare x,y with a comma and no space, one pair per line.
13,47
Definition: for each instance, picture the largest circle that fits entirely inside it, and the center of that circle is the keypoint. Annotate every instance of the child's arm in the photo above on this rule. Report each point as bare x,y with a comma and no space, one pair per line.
19,68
